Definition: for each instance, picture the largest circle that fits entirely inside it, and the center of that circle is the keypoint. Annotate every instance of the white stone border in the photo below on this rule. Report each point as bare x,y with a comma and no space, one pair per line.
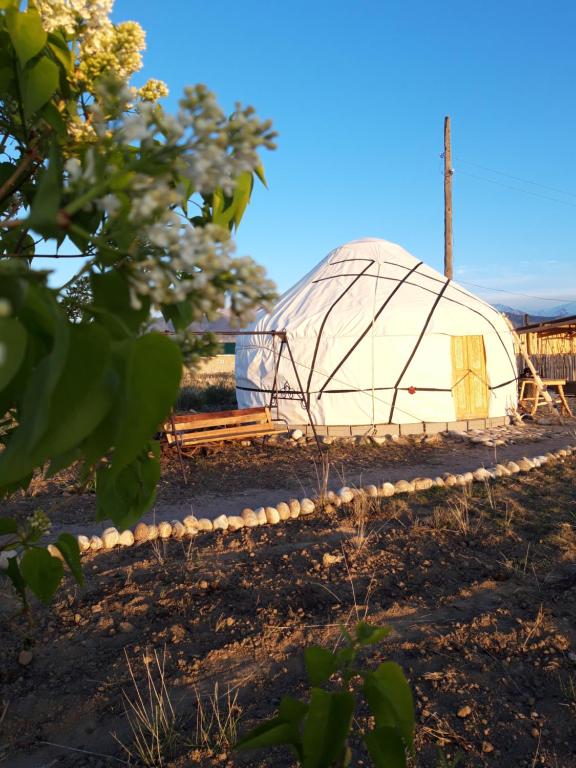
251,518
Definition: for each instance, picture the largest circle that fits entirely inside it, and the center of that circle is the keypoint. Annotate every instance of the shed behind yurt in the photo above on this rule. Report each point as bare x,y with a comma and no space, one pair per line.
374,339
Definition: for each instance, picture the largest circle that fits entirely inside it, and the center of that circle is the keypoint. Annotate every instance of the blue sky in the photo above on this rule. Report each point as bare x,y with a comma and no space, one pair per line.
358,92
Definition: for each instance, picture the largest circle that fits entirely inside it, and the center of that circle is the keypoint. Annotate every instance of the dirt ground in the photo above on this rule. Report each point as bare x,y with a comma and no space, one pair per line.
479,587
228,478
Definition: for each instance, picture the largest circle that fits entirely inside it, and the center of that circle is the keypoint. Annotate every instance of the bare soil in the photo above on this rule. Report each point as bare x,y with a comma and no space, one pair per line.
479,587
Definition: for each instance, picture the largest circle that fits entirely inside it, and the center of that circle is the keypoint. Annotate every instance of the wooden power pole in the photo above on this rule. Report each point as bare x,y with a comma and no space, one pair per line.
448,269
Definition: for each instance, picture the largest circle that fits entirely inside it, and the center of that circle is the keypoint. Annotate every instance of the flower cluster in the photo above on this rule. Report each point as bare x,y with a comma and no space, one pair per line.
153,90
74,15
99,47
141,167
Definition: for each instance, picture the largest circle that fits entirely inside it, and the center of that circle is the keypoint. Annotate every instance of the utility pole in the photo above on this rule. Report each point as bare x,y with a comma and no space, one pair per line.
448,270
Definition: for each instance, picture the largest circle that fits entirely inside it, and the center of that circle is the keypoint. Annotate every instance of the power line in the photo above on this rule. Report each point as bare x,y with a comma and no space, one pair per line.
518,189
517,178
515,293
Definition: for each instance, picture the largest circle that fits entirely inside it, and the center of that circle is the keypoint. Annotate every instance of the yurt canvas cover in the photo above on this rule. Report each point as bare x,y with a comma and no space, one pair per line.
378,337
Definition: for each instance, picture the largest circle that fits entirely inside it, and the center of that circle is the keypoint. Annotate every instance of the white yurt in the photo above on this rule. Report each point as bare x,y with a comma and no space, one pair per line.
374,337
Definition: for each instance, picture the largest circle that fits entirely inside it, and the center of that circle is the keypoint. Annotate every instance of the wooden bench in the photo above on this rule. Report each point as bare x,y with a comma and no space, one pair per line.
187,432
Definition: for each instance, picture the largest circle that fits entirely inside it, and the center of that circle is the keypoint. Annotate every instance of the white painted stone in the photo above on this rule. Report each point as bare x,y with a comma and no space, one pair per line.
261,516
481,474
204,524
96,543
294,505
371,491
178,529
55,552
235,522
422,483
6,555
502,470
283,510
190,521
525,464
468,477
83,543
386,490
164,530
110,538
403,486
272,516
326,440
345,495
296,434
220,523
141,533
306,506
562,452
249,517
450,480
126,538
512,467
152,532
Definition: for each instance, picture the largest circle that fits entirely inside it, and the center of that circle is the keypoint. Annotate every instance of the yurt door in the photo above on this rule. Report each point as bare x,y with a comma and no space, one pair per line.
469,377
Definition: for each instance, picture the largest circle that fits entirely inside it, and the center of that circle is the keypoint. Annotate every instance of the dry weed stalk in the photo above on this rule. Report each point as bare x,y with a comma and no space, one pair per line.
150,714
217,720
457,515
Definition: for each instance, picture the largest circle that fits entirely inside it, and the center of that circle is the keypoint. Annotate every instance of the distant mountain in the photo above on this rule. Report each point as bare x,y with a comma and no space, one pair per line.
519,317
564,310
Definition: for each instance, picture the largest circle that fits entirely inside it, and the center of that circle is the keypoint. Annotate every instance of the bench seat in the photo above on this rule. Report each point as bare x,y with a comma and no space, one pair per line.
189,431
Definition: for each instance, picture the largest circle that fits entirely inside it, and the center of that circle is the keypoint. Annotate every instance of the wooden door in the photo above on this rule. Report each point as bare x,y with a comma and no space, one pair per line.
469,377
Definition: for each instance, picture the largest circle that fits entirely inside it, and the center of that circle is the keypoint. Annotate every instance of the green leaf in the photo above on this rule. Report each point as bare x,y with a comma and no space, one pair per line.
291,710
111,292
7,526
46,203
390,699
13,338
60,50
13,573
151,385
368,635
53,117
74,407
385,748
125,496
259,171
327,727
241,196
38,84
6,79
26,32
320,664
274,732
68,546
180,314
42,573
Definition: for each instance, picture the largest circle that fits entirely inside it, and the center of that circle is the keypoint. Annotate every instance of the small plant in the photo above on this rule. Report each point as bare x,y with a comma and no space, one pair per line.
217,721
318,732
151,715
567,687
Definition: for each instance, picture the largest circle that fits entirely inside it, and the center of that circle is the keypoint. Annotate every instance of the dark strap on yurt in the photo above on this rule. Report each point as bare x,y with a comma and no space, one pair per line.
367,330
422,332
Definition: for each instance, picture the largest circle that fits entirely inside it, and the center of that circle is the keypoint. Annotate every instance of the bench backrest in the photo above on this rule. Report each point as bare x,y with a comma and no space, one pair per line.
197,425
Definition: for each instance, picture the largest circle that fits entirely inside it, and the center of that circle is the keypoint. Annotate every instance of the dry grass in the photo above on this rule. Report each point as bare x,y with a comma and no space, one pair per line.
217,719
151,715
